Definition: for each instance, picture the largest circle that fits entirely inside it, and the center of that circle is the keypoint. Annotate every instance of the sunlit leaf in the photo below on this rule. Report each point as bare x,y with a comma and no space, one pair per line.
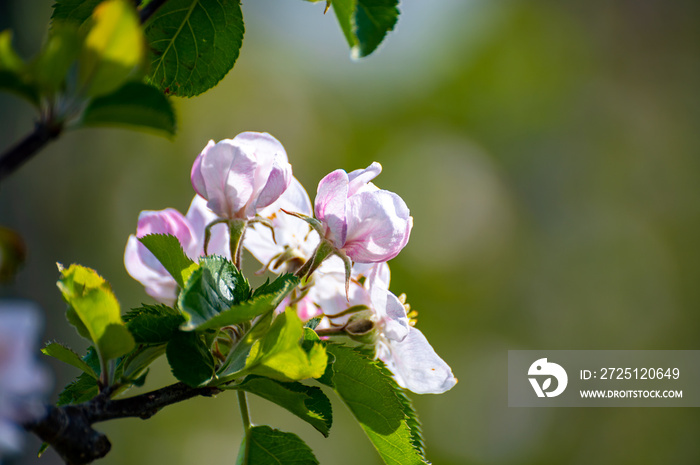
113,48
94,311
373,397
66,355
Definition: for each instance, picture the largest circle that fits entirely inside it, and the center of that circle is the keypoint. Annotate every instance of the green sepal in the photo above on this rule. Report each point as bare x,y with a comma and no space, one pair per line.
135,105
193,44
307,402
67,355
384,412
268,446
213,287
168,251
190,358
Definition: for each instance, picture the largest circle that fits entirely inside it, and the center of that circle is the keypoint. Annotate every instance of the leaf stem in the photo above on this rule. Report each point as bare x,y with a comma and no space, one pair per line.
243,404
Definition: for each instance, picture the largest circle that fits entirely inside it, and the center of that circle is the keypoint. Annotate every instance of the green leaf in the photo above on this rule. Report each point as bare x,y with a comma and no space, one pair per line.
365,23
13,75
113,48
168,251
82,389
213,287
265,299
375,400
94,311
307,402
269,446
153,324
136,105
135,363
278,354
280,287
53,64
66,355
73,11
276,350
190,359
193,44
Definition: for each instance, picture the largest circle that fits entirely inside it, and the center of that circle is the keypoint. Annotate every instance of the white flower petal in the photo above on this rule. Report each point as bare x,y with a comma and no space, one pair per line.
416,366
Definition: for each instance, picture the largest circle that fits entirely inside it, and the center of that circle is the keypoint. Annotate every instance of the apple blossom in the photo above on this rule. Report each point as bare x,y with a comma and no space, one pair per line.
23,382
240,176
368,224
143,266
403,348
293,241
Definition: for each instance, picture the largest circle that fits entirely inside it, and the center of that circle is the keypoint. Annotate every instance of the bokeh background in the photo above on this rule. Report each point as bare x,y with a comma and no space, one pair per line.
548,150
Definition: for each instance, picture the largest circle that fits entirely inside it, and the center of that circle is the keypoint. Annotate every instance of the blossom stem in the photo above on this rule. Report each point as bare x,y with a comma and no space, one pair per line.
236,233
323,251
243,404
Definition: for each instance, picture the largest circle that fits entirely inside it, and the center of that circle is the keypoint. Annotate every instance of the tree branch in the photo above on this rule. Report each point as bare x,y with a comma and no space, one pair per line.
16,156
68,428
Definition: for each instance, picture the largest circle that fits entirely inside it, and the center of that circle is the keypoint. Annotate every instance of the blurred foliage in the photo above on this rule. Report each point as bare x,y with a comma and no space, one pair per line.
548,152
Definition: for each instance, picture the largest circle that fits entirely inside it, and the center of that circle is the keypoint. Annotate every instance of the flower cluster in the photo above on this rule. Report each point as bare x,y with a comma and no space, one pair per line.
23,382
339,247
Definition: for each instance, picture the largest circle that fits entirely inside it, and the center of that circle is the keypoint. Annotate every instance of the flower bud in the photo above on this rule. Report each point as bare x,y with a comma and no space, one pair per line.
242,175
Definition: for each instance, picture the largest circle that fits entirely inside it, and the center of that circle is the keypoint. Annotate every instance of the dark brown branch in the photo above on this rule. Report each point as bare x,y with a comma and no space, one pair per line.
16,156
68,429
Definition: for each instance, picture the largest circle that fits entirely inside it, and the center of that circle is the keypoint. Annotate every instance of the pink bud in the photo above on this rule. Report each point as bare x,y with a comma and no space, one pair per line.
240,176
369,224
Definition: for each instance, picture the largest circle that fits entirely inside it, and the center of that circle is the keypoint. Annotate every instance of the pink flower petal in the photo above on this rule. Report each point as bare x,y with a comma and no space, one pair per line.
330,203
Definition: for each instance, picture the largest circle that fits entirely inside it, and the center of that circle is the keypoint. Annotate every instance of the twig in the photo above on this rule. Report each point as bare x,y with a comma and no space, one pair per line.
16,156
68,429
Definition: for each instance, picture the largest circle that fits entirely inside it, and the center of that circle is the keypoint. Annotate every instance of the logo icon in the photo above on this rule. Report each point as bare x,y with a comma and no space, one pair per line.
546,370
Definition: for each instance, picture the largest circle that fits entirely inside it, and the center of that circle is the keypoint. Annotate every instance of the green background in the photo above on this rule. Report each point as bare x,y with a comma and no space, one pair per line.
549,153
